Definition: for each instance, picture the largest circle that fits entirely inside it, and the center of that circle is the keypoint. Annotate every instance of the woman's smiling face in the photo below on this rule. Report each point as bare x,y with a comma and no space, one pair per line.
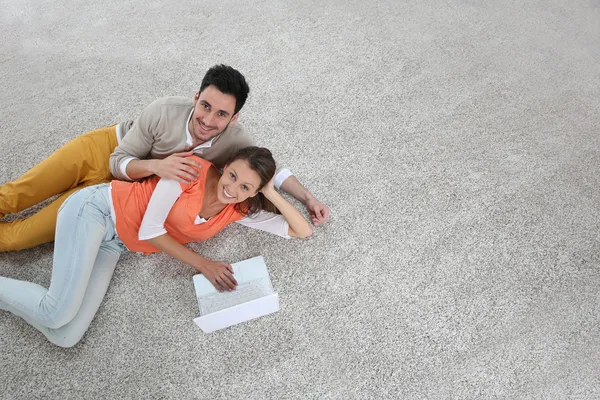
238,183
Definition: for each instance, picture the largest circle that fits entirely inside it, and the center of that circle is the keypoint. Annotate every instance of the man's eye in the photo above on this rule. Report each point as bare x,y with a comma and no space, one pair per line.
222,115
206,107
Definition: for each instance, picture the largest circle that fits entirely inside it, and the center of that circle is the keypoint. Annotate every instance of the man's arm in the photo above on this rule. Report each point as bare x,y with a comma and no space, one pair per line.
319,212
128,162
177,166
136,144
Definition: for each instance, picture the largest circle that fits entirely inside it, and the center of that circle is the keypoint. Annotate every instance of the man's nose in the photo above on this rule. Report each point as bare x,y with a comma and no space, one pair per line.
208,120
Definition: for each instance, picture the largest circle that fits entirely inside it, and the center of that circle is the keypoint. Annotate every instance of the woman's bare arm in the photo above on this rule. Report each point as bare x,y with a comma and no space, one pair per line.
218,273
299,226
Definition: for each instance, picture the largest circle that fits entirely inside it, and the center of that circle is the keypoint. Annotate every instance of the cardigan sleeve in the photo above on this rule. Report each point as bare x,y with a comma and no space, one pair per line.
138,142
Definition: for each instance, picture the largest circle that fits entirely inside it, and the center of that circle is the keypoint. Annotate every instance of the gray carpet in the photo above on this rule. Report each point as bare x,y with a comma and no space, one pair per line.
456,143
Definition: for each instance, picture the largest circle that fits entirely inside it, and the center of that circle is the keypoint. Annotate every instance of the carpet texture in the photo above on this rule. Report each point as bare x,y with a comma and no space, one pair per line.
456,143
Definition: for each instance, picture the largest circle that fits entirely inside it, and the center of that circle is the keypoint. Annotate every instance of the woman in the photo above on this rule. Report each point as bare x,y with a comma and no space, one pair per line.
96,224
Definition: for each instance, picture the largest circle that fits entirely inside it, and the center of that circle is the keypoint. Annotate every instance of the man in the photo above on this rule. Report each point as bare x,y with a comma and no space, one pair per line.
156,143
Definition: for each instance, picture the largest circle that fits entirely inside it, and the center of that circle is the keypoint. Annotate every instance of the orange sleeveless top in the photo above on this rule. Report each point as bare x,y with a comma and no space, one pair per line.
130,200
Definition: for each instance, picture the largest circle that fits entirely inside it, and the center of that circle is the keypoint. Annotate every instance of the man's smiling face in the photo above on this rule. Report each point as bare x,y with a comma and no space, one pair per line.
213,112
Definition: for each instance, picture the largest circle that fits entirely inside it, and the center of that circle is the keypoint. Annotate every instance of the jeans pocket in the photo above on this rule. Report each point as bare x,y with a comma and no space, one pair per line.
87,200
83,192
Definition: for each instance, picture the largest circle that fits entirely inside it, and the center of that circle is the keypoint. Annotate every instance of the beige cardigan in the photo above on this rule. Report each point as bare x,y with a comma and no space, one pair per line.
160,131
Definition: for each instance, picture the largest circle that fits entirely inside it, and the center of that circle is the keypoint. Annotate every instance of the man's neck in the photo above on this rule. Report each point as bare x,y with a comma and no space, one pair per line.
196,142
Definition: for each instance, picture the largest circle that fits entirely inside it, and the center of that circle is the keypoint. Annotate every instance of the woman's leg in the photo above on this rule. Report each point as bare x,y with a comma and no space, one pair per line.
81,162
86,246
70,334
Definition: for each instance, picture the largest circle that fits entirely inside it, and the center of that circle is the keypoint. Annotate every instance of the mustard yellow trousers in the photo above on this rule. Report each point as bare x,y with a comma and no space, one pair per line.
81,162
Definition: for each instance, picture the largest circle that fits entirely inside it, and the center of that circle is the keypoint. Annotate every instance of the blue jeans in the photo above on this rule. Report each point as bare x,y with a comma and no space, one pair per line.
86,251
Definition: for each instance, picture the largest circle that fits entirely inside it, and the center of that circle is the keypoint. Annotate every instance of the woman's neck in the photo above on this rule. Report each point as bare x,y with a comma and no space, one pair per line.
211,205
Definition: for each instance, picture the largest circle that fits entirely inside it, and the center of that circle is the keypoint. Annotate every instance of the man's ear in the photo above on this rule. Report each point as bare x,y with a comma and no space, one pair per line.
196,96
235,117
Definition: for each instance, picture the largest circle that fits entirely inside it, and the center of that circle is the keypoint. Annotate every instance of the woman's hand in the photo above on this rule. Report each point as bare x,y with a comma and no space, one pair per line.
219,274
269,187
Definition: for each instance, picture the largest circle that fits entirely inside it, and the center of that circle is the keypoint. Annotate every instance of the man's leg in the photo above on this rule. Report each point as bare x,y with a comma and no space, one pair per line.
35,230
82,160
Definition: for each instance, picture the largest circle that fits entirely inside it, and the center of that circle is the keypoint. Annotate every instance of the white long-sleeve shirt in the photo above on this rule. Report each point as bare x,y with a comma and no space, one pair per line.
167,192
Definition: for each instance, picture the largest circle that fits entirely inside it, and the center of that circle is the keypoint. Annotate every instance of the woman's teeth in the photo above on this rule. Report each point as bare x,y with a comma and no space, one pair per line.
227,195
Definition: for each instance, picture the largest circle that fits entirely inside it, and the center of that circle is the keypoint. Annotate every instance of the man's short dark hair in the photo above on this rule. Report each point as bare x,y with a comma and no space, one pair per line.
229,81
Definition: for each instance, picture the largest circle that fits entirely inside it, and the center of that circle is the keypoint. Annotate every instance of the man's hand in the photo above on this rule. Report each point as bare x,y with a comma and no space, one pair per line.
319,212
177,167
219,274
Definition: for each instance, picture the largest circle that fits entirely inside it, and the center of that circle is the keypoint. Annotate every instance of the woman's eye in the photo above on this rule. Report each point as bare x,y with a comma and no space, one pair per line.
231,175
244,187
